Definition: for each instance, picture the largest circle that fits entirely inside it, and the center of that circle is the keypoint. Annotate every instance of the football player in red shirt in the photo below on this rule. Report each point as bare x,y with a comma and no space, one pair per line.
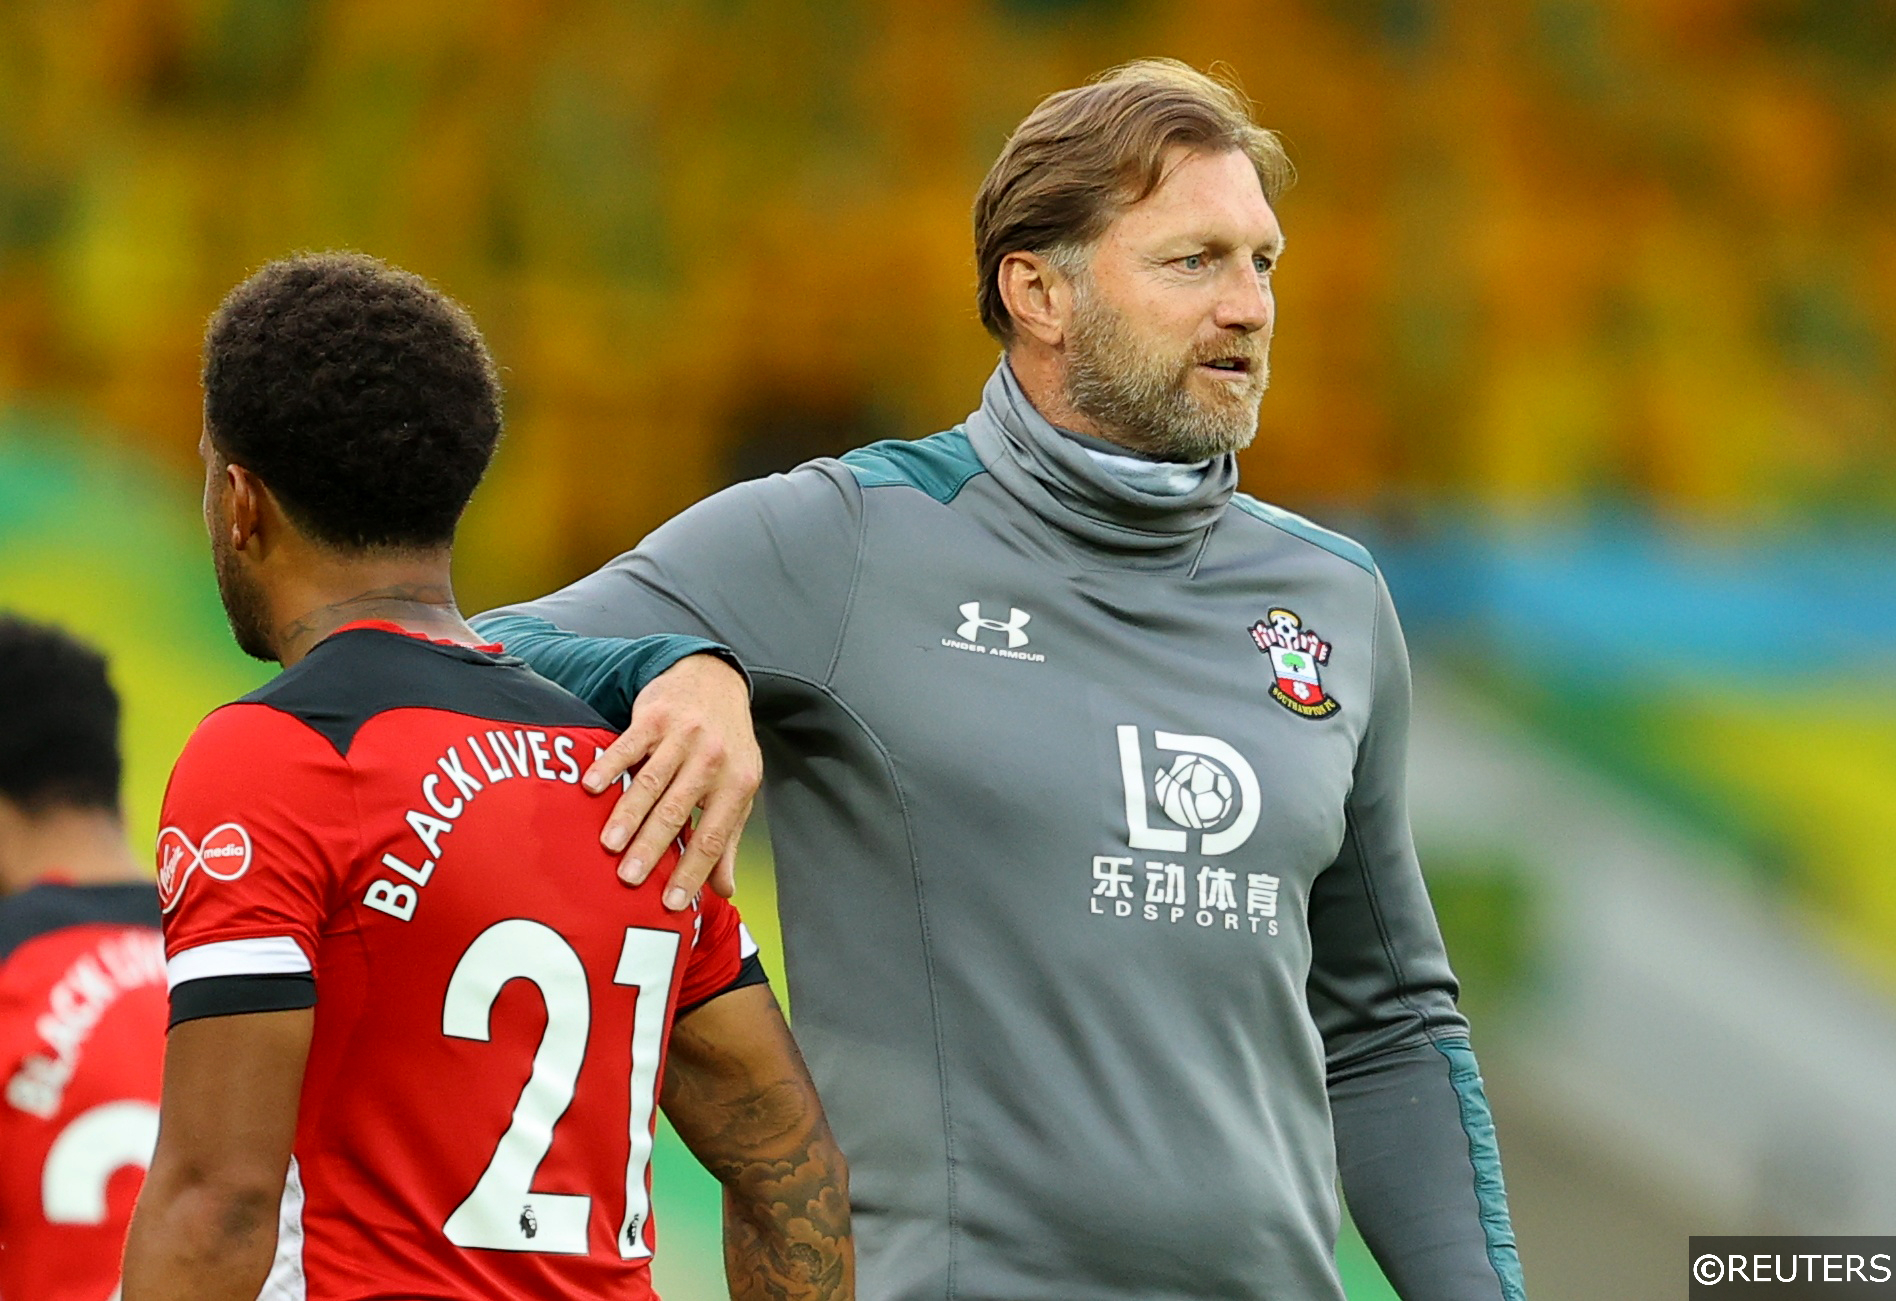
82,977
419,1028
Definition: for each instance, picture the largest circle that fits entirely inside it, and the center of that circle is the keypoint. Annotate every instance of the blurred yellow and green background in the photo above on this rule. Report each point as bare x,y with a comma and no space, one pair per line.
1587,326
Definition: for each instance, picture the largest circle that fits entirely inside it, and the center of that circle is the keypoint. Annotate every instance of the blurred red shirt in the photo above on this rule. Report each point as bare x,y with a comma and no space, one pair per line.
82,1038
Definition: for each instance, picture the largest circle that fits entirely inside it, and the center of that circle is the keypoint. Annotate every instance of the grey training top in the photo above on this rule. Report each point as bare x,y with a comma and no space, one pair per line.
1097,887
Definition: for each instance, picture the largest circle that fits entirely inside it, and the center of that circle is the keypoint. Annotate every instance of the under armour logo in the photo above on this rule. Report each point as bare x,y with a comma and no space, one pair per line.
1016,620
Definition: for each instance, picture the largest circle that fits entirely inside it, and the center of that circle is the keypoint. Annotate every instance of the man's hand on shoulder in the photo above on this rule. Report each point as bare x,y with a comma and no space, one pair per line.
690,745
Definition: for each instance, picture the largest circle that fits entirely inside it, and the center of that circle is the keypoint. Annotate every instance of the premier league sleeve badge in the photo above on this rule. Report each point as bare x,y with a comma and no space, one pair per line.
1297,659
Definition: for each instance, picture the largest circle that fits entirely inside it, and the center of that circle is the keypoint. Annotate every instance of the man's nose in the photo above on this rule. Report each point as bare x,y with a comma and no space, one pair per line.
1244,301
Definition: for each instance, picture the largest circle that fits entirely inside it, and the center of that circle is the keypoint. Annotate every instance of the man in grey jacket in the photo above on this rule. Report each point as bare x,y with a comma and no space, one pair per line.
1086,777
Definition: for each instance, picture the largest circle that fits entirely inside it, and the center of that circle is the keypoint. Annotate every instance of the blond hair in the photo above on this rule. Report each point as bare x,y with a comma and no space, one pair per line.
1086,154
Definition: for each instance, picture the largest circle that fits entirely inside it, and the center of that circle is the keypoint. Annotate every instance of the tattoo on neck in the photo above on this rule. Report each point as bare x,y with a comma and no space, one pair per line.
429,602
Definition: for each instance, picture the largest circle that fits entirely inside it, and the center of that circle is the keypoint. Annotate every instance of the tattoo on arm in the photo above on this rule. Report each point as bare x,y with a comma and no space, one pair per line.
739,1095
793,1241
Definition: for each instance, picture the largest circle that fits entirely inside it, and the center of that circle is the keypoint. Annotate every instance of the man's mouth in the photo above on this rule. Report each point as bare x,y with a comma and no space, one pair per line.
1229,365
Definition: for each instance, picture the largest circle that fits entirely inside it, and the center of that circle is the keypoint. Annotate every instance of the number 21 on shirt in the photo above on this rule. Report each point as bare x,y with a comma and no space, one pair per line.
504,1213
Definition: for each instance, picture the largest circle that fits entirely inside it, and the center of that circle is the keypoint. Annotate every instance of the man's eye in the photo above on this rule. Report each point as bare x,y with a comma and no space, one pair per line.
1192,261
1263,264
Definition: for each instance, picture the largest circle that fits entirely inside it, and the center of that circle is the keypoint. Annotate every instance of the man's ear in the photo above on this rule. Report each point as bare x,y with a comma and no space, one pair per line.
1038,296
248,501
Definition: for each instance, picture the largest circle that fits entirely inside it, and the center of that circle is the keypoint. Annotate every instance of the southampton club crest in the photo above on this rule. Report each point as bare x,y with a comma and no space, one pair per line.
1297,660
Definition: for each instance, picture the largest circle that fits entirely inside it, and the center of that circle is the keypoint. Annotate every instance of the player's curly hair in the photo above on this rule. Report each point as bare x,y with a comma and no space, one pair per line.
1086,154
362,395
59,721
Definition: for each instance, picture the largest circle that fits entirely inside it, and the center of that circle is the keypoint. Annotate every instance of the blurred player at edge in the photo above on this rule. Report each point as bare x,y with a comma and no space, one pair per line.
82,977
418,1028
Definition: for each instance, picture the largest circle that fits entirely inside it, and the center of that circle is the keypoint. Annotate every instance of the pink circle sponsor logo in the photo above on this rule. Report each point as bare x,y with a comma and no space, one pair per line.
223,855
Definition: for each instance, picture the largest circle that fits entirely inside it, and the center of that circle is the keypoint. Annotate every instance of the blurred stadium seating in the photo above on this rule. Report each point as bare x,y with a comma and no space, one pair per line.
1588,325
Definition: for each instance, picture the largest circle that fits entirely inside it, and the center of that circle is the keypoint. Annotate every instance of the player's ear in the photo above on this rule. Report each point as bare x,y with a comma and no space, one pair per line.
244,498
1038,296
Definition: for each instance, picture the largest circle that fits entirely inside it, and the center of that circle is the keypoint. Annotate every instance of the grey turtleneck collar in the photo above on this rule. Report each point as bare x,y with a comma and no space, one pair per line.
1160,478
1079,486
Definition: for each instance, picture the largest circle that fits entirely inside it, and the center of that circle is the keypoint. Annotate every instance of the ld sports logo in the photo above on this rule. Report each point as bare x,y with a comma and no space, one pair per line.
1297,656
1206,787
223,855
1209,794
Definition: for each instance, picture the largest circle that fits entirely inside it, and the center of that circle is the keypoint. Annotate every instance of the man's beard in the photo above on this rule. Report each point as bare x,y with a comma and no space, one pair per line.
244,606
1141,398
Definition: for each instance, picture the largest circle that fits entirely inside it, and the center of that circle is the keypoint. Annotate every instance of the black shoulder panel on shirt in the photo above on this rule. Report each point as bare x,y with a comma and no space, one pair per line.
361,672
41,909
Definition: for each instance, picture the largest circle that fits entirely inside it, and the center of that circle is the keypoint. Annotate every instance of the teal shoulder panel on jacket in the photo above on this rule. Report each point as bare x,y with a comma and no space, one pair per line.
940,465
1297,526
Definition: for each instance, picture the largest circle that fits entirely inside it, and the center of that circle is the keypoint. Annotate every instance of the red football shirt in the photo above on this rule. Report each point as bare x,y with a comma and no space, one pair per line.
394,830
82,1040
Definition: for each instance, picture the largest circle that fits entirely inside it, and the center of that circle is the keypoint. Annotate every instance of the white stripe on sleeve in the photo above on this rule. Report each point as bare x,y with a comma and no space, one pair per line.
270,955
